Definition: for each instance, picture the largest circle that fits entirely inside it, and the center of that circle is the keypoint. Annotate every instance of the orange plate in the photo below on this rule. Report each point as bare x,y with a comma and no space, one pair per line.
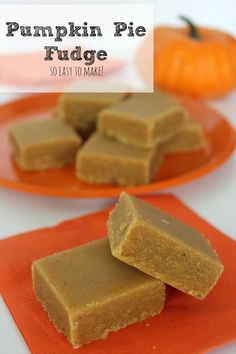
176,169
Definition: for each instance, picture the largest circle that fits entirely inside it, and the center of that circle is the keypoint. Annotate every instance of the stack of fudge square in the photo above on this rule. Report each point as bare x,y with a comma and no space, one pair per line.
130,134
108,284
115,138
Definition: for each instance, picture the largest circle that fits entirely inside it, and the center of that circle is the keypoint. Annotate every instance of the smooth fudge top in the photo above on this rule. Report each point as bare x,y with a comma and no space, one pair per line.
89,274
100,145
167,224
37,132
146,105
102,98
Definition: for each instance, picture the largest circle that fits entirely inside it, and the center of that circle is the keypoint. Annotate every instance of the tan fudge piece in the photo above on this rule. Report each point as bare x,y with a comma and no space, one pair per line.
88,293
189,138
143,120
44,144
163,247
81,109
103,160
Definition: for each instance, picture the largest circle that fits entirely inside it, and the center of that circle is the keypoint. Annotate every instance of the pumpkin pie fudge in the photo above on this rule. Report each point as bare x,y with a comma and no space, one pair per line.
143,120
163,247
88,293
103,160
42,144
189,138
81,109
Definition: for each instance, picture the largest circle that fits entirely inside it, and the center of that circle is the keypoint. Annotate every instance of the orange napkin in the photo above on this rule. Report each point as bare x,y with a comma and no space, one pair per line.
186,325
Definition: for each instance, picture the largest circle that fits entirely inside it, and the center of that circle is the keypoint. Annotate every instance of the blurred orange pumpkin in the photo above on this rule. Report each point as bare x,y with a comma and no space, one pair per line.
196,61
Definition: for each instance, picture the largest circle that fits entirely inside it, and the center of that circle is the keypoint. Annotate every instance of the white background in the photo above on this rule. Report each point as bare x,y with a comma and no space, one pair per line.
213,196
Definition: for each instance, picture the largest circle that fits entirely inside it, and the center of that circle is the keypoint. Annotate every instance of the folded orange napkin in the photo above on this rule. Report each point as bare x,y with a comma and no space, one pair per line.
186,325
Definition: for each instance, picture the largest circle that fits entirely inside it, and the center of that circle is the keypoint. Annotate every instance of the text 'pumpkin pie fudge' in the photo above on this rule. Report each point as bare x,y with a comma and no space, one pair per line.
81,109
43,144
163,247
143,120
103,160
88,293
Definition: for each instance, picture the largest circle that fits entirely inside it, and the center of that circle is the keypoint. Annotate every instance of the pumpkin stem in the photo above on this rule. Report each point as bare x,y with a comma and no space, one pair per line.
193,29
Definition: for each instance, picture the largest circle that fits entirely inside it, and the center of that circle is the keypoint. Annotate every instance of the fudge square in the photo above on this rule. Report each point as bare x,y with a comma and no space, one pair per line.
189,138
163,247
81,109
103,160
43,144
88,293
143,120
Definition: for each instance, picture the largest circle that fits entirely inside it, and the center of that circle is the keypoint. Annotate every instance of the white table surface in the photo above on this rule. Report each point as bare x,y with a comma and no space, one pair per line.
213,196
